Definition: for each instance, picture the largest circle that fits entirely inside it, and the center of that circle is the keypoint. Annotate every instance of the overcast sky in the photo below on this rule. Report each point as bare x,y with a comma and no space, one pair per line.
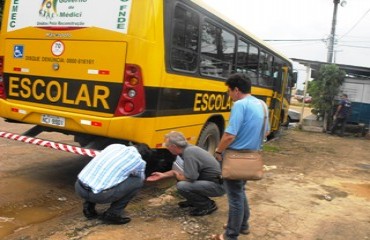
305,20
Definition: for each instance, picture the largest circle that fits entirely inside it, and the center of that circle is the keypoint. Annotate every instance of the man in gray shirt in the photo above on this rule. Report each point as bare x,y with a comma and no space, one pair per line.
200,178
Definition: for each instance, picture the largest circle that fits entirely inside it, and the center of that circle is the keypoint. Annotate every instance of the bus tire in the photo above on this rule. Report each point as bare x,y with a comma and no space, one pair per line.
209,137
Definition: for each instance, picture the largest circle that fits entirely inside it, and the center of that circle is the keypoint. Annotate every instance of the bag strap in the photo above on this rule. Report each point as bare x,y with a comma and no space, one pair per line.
264,121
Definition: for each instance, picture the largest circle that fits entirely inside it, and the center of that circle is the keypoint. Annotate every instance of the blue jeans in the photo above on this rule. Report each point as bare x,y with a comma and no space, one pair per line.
238,208
197,193
118,196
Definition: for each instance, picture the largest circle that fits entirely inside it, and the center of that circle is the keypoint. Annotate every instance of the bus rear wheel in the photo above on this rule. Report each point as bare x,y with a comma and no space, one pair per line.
209,137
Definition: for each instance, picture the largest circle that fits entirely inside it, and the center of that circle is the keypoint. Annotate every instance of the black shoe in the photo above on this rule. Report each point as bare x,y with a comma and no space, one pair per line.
243,231
90,213
204,211
112,218
185,204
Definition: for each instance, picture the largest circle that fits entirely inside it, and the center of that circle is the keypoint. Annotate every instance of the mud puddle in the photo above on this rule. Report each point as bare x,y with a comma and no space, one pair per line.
17,216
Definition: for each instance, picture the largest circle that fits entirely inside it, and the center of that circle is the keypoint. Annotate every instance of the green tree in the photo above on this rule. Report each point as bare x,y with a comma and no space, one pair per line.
324,88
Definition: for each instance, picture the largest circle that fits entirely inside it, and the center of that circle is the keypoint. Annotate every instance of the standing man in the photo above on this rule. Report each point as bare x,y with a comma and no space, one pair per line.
114,176
200,178
342,114
242,133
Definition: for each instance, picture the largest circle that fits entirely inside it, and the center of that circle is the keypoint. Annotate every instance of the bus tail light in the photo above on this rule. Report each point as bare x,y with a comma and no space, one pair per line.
2,86
132,100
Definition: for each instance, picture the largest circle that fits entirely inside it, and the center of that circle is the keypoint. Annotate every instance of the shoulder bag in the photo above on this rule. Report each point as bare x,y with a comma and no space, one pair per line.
244,164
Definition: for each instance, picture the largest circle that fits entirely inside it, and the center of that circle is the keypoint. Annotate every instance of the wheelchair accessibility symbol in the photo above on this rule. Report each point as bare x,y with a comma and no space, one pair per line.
18,51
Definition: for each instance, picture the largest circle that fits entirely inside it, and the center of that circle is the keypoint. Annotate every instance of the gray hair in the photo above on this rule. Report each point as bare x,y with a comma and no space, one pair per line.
177,138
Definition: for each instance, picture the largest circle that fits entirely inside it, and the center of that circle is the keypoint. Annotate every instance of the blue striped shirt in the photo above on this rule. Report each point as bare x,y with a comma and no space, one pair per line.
112,166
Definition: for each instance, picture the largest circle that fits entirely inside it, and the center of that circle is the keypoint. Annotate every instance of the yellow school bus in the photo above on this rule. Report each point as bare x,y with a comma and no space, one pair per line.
130,71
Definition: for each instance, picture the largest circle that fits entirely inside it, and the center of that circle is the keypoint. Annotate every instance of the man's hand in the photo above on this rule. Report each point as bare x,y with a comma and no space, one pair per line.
155,176
218,156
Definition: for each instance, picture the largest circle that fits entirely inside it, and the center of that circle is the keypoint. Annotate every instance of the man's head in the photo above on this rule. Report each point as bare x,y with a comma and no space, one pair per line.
144,151
344,95
175,142
238,85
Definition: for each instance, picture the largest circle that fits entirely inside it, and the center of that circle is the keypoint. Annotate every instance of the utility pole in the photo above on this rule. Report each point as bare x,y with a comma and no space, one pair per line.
332,33
308,77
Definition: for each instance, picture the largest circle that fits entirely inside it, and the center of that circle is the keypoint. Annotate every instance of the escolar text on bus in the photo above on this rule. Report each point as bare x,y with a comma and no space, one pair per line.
56,91
211,102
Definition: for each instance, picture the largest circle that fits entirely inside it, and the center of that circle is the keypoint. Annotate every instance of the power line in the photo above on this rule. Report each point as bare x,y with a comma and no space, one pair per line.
344,45
316,40
355,25
293,40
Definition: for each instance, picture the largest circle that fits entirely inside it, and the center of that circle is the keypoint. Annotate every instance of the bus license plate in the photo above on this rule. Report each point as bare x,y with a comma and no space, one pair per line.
53,120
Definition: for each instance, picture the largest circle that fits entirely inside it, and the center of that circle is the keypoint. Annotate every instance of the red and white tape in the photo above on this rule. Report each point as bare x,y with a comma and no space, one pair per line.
50,144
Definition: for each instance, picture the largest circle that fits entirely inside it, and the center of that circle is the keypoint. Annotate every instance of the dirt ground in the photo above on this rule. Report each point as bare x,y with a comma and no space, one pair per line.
316,186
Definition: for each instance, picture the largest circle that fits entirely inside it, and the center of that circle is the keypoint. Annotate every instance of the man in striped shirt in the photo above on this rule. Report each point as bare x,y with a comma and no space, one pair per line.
114,176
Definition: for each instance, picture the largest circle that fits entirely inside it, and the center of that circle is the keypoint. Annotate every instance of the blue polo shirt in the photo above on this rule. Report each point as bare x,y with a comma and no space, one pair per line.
246,121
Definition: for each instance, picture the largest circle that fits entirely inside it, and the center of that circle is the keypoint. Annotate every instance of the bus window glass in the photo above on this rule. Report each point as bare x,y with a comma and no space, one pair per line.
268,65
217,51
241,61
241,56
288,89
265,65
252,63
277,67
185,40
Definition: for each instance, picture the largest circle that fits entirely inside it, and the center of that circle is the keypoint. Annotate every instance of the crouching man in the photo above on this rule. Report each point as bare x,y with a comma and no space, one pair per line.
200,178
114,176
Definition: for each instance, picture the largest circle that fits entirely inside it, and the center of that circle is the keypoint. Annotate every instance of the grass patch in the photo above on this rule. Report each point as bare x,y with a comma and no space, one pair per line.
268,148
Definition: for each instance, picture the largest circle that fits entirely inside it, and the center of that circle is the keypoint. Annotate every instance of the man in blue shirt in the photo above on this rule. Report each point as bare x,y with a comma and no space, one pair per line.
243,133
114,176
342,114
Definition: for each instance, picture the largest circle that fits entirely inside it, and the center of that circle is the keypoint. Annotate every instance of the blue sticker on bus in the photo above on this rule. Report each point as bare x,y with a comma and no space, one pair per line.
18,51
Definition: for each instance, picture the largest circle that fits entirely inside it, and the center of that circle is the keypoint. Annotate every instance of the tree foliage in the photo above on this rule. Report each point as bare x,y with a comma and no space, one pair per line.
325,87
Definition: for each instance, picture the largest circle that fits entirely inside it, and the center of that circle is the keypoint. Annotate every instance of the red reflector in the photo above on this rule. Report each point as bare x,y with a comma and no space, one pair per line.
159,145
96,124
104,72
128,107
17,69
14,110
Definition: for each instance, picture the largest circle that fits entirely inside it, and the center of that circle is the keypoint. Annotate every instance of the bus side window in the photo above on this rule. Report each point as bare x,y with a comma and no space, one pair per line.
185,35
241,61
265,69
217,51
241,56
276,69
252,62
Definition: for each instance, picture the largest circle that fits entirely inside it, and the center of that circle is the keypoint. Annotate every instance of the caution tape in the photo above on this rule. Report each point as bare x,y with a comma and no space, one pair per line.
50,144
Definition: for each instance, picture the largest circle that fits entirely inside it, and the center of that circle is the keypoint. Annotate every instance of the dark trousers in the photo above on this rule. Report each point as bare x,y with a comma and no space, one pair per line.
118,196
339,121
198,193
